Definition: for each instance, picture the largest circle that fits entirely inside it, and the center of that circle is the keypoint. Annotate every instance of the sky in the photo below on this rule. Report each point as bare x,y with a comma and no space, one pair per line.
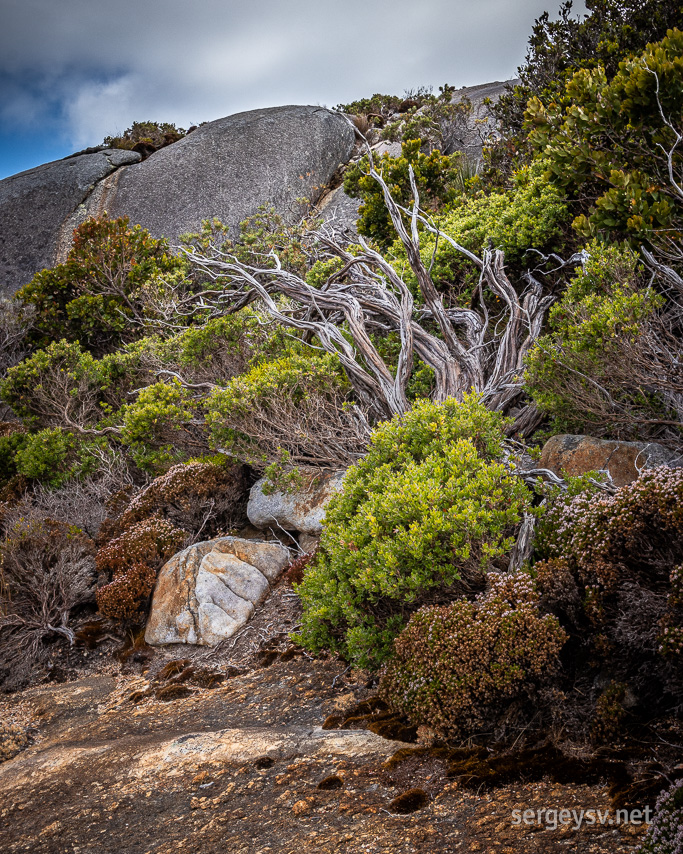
75,71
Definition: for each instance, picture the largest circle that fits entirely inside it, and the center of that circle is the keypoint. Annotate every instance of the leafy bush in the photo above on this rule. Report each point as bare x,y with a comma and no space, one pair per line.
531,214
460,668
111,285
610,364
420,519
436,177
606,149
293,406
160,428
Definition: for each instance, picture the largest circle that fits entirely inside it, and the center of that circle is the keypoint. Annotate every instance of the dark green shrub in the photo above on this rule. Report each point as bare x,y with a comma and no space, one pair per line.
421,518
436,177
604,144
460,668
106,291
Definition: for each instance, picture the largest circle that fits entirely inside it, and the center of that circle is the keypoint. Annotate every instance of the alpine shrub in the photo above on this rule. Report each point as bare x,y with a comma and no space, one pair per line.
420,519
458,668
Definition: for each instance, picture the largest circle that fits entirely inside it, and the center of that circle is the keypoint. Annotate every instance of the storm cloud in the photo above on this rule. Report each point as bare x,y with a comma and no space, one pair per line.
74,71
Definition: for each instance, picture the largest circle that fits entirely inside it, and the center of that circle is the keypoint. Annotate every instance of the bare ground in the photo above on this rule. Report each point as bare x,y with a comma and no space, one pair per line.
238,767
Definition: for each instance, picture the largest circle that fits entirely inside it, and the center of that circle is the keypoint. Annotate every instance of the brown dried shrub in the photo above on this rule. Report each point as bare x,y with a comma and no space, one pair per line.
200,497
48,570
461,668
611,572
121,598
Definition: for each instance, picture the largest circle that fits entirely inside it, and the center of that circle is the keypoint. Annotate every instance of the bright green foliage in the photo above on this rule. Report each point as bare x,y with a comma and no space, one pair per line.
44,456
113,275
579,372
458,668
158,427
149,135
605,148
429,506
435,176
530,214
10,443
271,404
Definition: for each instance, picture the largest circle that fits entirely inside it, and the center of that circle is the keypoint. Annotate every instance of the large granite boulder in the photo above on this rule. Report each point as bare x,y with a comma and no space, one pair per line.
302,510
226,169
36,209
568,454
207,592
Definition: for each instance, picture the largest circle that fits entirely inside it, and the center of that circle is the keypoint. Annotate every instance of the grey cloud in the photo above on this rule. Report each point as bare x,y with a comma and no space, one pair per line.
106,64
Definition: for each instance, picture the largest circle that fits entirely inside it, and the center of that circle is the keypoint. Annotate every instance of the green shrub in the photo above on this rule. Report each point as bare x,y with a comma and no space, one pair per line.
609,366
159,428
435,176
604,140
529,215
293,406
460,668
106,290
425,513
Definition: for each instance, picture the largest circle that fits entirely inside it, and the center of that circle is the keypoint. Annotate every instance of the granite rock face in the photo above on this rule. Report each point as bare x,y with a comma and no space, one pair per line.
229,167
226,169
36,208
302,511
568,454
207,592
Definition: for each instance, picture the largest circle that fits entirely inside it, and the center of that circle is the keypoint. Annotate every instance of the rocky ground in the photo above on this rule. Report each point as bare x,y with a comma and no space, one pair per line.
226,752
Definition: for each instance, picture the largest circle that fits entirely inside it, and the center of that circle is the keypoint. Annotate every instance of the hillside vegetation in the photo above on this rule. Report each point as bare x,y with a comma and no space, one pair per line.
486,306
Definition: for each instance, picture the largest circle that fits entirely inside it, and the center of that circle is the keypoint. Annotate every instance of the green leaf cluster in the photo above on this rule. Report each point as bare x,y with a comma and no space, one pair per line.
429,506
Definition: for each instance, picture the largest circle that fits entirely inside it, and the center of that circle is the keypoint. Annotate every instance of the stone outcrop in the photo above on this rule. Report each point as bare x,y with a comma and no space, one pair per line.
207,592
226,169
35,206
302,511
568,454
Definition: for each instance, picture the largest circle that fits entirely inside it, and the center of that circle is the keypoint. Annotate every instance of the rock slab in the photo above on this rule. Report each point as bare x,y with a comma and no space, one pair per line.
207,592
227,168
302,511
230,167
568,454
36,207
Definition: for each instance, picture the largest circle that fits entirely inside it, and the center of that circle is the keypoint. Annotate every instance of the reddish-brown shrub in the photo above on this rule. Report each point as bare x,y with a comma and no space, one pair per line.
121,598
460,668
204,497
133,559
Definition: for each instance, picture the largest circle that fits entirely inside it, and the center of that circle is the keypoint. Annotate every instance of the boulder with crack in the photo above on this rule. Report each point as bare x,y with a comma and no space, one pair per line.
207,592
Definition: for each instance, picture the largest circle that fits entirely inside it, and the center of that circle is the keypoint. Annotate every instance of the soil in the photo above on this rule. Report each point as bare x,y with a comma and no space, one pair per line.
224,751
